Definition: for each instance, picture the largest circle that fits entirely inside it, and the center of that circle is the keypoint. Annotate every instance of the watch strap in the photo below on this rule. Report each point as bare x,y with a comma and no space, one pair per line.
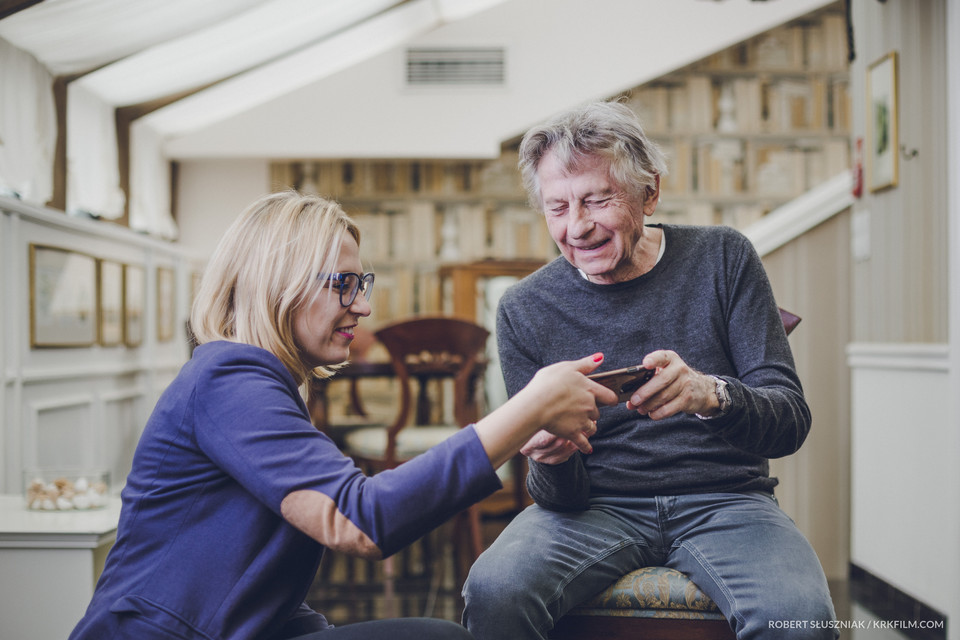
723,398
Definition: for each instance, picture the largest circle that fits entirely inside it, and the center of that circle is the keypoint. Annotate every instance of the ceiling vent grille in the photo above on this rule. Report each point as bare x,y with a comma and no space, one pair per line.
455,66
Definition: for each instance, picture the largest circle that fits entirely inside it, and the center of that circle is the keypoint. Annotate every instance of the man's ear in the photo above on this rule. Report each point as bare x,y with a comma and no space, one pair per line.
652,197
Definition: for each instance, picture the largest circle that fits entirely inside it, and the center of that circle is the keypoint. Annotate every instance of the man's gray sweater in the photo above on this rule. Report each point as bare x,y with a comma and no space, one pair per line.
709,300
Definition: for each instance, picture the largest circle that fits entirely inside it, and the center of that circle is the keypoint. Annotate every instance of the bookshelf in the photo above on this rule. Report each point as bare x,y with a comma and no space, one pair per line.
753,126
421,220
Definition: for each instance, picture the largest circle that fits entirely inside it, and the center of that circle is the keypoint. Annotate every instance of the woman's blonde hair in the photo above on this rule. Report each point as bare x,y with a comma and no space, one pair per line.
265,268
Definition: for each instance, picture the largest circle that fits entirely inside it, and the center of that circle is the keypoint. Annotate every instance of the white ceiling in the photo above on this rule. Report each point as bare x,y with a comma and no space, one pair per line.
324,78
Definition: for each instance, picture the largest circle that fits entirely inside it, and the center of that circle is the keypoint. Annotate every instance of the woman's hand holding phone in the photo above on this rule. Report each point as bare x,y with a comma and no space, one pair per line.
559,401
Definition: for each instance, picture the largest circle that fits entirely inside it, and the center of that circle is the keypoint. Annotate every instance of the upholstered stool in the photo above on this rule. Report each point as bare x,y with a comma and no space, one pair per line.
652,603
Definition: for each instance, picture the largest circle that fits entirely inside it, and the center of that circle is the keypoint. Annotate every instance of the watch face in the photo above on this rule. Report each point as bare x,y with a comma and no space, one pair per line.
723,395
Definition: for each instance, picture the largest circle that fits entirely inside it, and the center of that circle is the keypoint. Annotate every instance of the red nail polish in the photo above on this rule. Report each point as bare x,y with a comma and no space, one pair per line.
597,357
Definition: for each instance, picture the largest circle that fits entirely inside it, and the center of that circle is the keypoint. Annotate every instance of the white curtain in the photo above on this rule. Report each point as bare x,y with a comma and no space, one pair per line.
93,175
28,126
150,203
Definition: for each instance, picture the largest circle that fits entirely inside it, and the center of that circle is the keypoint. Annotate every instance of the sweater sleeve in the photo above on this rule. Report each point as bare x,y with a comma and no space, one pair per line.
769,416
252,423
560,487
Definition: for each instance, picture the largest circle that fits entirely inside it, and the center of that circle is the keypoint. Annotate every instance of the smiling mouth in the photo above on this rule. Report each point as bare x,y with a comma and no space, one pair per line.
346,332
591,247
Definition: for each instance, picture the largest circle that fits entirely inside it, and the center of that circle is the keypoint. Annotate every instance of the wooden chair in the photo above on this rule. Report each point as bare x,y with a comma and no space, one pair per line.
651,603
356,415
428,349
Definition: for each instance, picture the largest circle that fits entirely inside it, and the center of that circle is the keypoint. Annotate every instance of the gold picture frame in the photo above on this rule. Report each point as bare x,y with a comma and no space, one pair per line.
63,298
166,300
134,300
883,130
110,302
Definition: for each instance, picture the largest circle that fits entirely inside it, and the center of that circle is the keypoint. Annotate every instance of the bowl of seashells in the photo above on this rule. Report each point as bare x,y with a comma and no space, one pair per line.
66,490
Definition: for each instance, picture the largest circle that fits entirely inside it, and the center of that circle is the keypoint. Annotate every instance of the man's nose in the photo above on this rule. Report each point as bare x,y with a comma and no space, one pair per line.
580,223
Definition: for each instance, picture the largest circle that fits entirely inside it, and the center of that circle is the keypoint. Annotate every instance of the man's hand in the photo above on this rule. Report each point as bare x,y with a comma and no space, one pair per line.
676,388
546,448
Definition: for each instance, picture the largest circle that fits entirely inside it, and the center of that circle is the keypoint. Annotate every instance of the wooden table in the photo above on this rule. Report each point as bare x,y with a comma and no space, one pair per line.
424,373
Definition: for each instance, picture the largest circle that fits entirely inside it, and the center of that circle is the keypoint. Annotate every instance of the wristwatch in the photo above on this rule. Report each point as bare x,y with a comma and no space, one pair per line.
723,398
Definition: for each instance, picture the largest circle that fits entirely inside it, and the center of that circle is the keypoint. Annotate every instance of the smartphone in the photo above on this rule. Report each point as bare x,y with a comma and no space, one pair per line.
624,381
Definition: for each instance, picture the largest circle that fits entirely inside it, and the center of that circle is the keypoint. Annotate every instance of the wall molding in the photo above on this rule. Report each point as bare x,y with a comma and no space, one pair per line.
911,356
86,226
123,395
798,216
64,402
37,375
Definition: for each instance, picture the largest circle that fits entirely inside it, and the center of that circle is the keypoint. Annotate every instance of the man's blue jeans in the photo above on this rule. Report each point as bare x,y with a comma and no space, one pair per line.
741,549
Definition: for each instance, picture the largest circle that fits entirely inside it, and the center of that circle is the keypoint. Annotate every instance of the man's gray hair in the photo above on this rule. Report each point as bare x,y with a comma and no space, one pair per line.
606,129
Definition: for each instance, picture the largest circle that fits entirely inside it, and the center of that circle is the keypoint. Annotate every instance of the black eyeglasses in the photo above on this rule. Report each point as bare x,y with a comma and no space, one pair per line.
349,284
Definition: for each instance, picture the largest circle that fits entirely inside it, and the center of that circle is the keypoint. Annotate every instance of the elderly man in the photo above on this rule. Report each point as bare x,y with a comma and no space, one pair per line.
679,474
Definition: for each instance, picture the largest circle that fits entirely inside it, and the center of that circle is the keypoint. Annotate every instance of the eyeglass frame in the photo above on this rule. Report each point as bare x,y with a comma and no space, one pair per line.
364,283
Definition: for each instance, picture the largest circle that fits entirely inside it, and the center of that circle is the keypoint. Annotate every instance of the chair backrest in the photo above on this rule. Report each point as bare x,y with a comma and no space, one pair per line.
790,320
436,347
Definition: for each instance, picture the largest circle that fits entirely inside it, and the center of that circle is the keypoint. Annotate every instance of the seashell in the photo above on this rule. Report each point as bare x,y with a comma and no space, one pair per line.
96,499
35,491
66,492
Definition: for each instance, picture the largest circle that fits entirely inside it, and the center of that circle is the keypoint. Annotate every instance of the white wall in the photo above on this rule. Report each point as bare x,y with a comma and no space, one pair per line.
211,194
951,505
906,480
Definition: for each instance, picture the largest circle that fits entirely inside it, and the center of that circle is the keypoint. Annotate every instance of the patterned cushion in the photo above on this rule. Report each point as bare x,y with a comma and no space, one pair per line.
411,441
651,592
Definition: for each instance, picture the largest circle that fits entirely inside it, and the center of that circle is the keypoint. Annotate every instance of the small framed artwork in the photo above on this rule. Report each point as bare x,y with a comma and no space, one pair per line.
195,277
883,134
110,296
166,300
134,300
63,298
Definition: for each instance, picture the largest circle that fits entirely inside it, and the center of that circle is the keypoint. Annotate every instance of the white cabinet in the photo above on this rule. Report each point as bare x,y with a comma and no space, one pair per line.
49,565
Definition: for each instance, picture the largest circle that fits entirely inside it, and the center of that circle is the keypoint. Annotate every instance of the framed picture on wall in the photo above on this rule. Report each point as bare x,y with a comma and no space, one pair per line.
63,298
134,300
883,135
110,296
166,300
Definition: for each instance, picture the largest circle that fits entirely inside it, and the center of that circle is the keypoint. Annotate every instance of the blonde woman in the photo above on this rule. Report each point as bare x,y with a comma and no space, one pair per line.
233,495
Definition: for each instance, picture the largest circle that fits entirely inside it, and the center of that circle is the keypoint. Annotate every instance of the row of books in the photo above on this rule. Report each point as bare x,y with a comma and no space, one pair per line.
744,105
818,43
728,167
374,178
423,233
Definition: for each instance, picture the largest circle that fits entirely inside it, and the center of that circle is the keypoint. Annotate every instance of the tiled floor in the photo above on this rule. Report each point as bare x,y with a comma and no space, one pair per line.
349,590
